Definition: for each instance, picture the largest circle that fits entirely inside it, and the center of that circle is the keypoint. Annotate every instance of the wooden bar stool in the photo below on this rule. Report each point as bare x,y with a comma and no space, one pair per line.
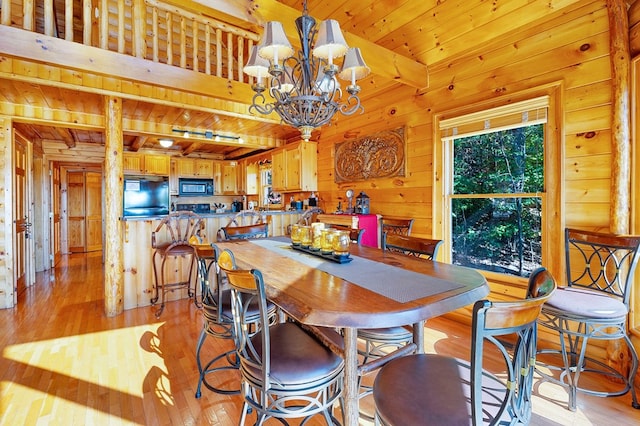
175,231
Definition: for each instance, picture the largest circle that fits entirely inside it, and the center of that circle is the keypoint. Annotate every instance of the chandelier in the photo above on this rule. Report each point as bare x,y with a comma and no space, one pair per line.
303,89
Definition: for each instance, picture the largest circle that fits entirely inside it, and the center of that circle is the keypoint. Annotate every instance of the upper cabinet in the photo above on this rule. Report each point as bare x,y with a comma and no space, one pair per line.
194,167
251,179
229,177
295,167
148,164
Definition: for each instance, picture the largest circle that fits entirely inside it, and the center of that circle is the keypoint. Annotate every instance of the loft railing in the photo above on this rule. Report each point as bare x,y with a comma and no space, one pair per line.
147,29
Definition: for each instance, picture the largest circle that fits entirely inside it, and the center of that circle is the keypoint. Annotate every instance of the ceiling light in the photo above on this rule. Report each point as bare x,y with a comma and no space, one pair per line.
303,88
165,142
207,134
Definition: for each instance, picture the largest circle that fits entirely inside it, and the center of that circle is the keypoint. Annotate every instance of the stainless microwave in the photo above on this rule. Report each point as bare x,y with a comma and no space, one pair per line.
195,187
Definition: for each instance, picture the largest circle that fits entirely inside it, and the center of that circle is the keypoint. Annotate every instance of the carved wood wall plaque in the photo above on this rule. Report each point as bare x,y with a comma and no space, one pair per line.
380,155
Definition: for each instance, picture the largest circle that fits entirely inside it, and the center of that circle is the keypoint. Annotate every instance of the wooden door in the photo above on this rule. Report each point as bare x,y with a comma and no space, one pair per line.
93,208
84,206
24,272
56,222
76,212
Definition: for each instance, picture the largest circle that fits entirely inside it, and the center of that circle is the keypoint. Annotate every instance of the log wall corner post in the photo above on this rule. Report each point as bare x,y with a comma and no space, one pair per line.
618,355
620,57
113,169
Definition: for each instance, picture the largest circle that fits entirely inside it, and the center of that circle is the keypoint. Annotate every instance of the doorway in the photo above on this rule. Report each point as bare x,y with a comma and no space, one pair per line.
24,268
84,211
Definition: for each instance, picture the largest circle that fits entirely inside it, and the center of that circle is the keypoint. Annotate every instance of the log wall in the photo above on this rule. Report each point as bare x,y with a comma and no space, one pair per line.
571,50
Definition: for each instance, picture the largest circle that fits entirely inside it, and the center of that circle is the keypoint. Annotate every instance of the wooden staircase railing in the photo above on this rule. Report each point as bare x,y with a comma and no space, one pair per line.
147,29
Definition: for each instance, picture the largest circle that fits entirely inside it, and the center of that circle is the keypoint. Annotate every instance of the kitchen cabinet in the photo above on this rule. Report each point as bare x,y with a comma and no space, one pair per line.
251,179
146,164
225,178
195,168
295,167
229,178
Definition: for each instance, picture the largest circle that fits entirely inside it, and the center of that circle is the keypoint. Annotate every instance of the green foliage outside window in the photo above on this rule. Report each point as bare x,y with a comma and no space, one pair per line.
498,228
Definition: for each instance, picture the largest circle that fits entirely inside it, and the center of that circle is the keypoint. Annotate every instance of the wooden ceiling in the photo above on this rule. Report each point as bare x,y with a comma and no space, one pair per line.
407,34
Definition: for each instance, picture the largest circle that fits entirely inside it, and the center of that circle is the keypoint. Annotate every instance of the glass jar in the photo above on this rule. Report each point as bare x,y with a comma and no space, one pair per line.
326,240
341,243
316,237
295,234
305,236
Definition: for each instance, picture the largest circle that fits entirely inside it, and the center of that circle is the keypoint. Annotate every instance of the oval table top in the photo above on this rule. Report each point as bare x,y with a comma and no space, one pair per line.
315,297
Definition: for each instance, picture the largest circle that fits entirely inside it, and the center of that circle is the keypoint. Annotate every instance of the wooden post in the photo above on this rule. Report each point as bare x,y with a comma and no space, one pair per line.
621,127
617,354
113,181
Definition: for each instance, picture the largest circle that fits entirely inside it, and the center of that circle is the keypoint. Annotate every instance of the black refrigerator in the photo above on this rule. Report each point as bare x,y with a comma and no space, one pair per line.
146,196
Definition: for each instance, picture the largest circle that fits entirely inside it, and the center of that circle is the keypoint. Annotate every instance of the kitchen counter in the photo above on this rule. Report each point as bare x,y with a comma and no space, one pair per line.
212,214
136,236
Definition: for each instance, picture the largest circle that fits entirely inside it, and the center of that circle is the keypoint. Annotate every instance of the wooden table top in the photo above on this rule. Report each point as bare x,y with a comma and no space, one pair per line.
318,298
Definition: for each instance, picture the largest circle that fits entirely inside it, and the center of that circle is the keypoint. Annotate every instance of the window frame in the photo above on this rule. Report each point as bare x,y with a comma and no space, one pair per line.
552,220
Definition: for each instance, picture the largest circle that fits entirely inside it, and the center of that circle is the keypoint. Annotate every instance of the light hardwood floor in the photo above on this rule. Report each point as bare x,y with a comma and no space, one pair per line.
65,363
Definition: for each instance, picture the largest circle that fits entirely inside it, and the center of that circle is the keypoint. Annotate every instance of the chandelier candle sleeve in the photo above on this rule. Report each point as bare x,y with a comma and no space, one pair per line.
302,88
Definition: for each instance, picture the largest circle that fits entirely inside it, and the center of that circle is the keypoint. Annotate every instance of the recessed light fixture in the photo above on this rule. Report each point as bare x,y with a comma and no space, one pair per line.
165,142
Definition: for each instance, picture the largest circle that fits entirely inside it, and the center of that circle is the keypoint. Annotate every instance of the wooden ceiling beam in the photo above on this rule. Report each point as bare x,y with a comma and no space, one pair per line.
139,143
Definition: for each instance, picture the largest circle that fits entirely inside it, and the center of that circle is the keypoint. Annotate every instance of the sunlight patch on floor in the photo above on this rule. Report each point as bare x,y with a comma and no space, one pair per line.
127,367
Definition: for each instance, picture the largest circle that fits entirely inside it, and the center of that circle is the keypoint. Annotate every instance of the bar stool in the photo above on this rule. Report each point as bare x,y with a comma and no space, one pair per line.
217,316
175,231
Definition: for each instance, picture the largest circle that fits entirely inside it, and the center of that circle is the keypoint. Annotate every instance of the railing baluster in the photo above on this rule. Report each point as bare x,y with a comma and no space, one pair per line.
104,24
120,26
194,38
49,23
87,19
229,56
240,59
207,49
218,52
155,34
183,42
5,12
169,39
68,20
28,15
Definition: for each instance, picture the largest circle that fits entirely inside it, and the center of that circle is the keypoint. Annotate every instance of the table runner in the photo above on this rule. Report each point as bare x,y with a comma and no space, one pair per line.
390,281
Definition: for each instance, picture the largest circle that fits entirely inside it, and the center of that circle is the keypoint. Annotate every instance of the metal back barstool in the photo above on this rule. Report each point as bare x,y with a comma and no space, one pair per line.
593,306
431,389
218,317
286,371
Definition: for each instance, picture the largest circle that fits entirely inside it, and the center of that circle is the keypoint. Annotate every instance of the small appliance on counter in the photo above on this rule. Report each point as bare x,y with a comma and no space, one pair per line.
236,206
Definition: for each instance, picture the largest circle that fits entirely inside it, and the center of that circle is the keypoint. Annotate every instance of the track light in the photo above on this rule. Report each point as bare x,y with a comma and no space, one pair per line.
207,134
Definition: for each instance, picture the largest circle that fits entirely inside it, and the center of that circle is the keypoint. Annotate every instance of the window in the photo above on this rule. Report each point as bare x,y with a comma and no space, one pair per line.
493,188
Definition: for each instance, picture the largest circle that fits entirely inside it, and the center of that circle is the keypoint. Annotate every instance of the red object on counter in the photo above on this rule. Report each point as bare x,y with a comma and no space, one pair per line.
368,222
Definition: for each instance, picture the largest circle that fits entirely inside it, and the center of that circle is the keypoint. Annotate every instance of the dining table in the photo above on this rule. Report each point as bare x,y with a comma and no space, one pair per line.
371,288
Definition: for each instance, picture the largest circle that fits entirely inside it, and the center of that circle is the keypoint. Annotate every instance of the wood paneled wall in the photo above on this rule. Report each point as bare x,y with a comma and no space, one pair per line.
571,48
7,293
